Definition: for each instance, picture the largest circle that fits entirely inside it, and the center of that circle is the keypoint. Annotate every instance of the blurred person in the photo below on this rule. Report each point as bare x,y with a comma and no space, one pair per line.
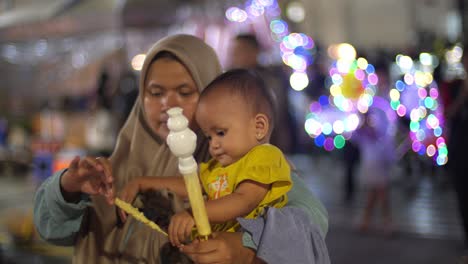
244,53
127,94
246,175
456,112
72,207
101,127
377,158
351,158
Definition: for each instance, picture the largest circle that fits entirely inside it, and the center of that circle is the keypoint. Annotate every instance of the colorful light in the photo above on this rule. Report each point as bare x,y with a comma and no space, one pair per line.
416,96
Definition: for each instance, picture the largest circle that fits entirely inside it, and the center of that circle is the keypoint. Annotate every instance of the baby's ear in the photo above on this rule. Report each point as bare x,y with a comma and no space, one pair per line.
262,126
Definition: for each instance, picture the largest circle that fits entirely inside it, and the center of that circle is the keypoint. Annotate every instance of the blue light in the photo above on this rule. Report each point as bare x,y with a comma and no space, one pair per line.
323,100
278,26
320,140
400,86
422,150
438,131
370,69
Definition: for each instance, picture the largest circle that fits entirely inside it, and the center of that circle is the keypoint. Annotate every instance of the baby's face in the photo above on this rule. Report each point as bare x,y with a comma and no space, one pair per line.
229,126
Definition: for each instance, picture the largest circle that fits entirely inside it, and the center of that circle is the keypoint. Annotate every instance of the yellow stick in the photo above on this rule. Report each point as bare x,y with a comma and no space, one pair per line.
129,209
198,204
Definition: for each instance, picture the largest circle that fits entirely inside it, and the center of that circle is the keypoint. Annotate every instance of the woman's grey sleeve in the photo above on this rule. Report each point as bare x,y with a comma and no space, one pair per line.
57,221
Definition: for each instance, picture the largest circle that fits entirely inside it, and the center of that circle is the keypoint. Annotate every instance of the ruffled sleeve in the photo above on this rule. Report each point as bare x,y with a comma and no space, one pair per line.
266,164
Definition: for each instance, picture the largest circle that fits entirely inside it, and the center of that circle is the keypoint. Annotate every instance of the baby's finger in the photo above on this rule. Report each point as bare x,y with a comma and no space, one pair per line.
188,231
181,233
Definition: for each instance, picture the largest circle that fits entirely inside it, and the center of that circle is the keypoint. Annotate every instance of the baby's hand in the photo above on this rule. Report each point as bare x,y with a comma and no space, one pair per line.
180,228
128,194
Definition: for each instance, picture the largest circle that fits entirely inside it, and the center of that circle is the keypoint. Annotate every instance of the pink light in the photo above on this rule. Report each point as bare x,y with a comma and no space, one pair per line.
373,79
328,145
416,146
359,74
401,110
422,93
333,71
440,140
434,93
431,150
315,107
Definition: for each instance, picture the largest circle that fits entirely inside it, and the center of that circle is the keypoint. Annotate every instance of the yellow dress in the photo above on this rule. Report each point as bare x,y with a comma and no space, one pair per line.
264,164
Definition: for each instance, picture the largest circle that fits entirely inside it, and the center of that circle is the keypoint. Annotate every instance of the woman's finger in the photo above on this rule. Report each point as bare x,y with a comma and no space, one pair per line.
74,164
92,163
107,177
204,252
107,168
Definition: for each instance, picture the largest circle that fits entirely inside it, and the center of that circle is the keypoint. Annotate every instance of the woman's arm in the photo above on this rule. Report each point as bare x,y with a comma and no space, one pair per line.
301,197
56,220
174,184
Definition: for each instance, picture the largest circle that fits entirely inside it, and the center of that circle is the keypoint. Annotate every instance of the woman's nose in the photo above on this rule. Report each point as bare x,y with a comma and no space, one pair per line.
170,101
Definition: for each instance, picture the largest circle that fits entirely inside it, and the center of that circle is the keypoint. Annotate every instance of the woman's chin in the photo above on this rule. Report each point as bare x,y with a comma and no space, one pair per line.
163,131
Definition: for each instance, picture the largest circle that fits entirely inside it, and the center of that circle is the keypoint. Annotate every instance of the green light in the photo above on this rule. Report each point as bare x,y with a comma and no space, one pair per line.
414,126
443,151
339,141
395,104
429,102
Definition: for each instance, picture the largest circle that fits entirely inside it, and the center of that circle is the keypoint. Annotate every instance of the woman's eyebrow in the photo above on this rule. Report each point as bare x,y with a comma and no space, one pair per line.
154,85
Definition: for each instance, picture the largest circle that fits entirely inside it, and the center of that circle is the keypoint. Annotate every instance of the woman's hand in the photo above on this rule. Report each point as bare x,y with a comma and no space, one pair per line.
222,248
128,195
180,228
88,175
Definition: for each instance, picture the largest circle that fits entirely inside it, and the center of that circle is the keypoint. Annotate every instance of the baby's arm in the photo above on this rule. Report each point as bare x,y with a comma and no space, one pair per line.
245,198
241,202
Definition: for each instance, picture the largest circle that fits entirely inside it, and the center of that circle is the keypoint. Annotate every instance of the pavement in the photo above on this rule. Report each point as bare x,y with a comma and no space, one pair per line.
425,220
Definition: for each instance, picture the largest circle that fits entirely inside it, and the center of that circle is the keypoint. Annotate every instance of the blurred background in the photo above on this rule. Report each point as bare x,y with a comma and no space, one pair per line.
69,77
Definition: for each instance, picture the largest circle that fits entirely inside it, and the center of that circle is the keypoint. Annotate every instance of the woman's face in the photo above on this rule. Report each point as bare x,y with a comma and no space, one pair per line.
168,84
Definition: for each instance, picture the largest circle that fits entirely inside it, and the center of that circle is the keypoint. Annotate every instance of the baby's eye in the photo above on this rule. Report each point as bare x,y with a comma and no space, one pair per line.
220,133
209,138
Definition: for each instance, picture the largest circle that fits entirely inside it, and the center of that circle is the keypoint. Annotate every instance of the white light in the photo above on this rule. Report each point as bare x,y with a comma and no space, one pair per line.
352,122
346,52
425,59
236,14
405,62
327,128
295,12
313,127
299,81
338,127
137,62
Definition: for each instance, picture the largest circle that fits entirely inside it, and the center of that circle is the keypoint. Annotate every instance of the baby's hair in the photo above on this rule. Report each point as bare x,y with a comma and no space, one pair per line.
249,86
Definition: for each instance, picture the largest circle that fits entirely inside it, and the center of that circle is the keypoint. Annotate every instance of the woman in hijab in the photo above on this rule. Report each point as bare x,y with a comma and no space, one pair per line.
72,206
